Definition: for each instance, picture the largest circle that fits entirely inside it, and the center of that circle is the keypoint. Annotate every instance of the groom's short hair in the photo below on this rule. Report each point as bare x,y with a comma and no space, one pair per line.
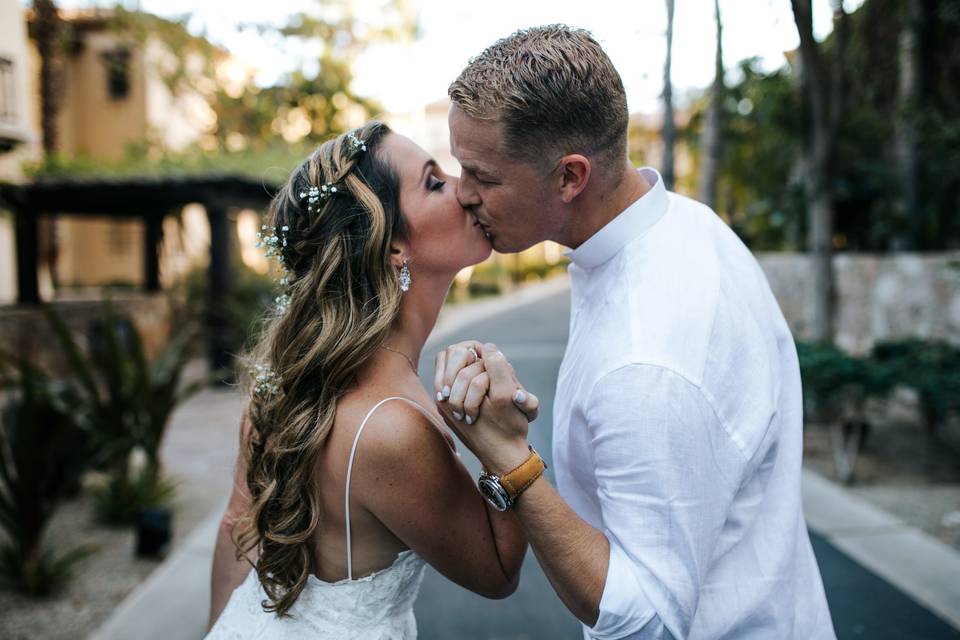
555,92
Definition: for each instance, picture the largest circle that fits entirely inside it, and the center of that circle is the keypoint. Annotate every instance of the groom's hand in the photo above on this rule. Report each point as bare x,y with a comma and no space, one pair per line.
485,404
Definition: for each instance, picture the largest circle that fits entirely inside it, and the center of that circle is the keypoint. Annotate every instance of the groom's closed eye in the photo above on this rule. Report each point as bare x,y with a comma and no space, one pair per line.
480,177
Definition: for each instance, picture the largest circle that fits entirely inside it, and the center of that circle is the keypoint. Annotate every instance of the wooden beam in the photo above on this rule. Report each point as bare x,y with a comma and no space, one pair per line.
218,324
25,231
153,234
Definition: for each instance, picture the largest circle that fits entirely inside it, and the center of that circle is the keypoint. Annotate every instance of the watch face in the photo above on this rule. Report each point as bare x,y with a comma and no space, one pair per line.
494,493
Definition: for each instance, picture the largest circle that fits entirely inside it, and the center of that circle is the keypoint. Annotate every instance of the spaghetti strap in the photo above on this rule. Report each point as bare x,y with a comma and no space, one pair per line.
353,451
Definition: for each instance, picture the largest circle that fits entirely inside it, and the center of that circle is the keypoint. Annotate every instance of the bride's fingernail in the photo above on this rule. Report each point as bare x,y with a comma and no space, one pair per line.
520,397
439,397
458,416
469,420
446,392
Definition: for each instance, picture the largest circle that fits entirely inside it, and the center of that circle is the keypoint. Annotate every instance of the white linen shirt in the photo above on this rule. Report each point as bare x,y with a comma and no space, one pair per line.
677,431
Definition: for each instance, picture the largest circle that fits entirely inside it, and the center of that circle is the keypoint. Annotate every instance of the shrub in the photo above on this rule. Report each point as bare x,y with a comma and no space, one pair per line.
42,454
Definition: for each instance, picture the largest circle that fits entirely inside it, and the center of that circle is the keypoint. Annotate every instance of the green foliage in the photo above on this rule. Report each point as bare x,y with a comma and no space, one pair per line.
760,188
42,454
932,369
121,498
270,162
127,400
246,304
836,385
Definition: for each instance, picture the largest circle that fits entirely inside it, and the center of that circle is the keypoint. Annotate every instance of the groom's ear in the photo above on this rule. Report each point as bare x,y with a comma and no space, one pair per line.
574,176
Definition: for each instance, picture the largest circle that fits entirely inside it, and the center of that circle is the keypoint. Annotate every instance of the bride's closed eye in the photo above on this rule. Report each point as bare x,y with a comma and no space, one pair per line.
435,184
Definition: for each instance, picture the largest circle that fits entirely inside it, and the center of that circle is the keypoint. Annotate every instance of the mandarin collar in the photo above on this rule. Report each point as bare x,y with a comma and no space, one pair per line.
629,224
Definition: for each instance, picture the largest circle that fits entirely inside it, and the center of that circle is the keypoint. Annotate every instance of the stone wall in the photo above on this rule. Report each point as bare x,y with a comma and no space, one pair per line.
879,296
24,329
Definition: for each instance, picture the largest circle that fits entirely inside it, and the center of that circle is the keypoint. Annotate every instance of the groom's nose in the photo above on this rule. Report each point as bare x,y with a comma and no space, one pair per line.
467,192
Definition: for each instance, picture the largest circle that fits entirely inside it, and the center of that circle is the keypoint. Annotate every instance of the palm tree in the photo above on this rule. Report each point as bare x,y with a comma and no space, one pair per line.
46,31
712,130
823,96
669,131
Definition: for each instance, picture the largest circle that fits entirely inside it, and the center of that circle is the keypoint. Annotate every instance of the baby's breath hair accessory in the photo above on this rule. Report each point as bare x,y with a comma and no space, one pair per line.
274,244
313,196
356,146
282,302
266,381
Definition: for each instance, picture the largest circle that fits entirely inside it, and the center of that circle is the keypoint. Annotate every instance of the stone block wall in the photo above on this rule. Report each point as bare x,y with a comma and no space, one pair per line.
879,296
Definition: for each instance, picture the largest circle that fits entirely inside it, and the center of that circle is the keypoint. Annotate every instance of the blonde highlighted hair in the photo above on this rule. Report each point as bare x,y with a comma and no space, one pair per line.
553,89
344,297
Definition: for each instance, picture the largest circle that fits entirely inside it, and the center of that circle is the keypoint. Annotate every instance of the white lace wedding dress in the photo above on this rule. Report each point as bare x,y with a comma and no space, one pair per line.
376,607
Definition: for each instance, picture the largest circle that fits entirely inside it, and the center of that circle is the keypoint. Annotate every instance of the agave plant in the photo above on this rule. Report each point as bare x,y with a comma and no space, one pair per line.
42,453
128,400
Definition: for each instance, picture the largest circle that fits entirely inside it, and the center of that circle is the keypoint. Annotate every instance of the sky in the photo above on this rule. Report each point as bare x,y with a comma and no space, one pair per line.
404,77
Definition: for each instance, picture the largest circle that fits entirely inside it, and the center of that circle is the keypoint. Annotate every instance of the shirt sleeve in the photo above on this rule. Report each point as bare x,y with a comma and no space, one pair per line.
667,473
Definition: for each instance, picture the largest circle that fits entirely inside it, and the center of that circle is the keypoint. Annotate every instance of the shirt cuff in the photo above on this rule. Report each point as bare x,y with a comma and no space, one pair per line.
624,608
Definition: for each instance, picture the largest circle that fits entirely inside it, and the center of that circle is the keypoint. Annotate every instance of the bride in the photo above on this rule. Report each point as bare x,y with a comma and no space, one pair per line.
347,481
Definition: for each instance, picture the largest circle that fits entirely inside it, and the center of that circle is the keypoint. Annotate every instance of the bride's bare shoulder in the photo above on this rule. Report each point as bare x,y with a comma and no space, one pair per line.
393,426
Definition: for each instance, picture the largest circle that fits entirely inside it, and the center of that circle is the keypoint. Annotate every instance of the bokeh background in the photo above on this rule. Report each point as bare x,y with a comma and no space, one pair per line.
140,143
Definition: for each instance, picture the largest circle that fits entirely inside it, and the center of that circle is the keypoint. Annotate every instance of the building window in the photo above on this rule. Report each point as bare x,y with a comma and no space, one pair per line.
117,63
8,111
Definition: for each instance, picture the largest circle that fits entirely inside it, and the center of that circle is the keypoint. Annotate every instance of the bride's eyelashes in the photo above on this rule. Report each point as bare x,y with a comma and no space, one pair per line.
435,184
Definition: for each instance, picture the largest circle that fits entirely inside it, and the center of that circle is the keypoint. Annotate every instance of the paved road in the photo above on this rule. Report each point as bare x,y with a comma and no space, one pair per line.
533,337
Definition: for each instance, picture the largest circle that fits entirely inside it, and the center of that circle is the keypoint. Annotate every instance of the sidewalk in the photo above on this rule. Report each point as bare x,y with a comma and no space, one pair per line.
873,564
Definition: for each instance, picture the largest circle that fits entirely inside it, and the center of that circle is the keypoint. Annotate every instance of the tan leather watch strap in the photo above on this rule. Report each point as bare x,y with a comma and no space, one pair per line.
516,481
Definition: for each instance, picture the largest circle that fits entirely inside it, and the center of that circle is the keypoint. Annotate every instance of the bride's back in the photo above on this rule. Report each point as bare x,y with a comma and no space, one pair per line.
374,546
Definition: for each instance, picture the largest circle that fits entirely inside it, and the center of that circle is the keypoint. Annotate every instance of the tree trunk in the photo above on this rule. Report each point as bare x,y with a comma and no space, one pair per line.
823,95
669,133
47,36
905,133
712,130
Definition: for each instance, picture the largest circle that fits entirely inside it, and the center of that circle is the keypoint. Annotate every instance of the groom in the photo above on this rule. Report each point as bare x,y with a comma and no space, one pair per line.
678,417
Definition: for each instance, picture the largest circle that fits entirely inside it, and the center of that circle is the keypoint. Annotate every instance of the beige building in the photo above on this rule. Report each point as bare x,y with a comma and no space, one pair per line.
19,135
116,92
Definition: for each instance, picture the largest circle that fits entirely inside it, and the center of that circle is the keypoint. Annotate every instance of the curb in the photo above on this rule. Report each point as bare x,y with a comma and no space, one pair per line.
175,598
918,564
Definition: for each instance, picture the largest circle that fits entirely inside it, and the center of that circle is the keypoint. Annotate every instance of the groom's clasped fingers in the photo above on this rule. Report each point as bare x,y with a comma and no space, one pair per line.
505,389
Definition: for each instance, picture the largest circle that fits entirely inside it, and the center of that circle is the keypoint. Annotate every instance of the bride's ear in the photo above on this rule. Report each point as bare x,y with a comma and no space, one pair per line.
399,251
574,175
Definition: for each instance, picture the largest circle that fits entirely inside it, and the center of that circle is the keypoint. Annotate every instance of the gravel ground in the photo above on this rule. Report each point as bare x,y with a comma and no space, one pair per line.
904,471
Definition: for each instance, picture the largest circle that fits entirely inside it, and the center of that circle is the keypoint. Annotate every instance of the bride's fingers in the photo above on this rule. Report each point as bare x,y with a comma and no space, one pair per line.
528,403
458,356
476,392
458,390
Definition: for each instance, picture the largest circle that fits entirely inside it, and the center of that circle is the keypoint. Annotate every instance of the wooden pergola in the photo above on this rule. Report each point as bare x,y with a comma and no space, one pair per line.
148,199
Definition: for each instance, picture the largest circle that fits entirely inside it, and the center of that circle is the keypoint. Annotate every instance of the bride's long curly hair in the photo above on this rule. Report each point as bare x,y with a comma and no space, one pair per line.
343,297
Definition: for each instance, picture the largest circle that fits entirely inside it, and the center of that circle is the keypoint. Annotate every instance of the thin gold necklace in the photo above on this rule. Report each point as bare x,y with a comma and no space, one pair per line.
412,366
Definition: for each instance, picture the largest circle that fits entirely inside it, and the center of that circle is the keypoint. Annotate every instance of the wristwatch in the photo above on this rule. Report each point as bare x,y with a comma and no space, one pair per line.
502,492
